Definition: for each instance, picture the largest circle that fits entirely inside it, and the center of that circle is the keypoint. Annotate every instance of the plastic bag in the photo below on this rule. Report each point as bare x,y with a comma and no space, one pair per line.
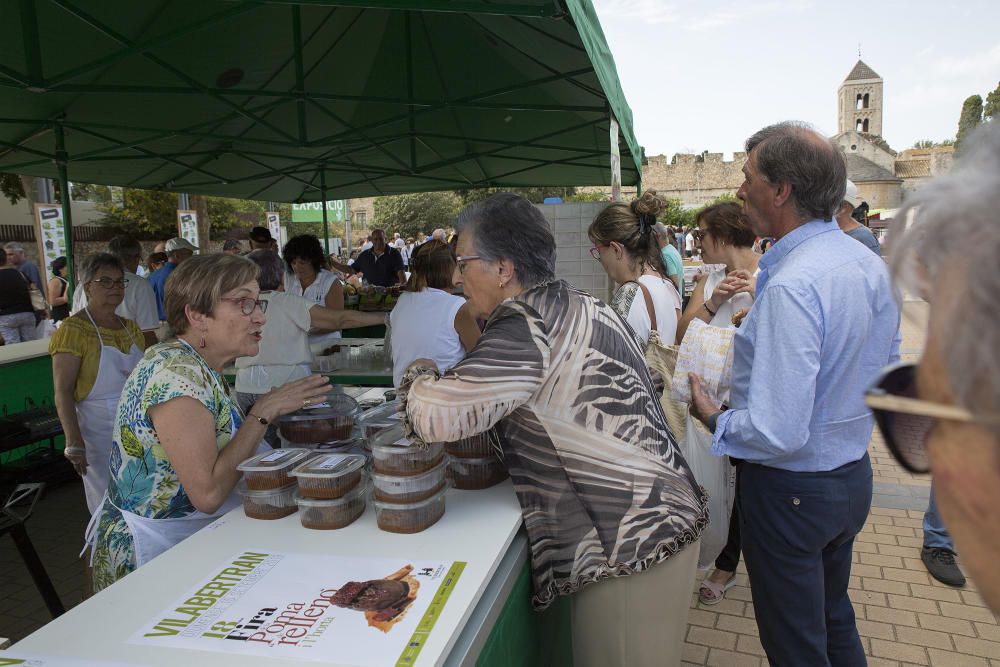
718,477
45,329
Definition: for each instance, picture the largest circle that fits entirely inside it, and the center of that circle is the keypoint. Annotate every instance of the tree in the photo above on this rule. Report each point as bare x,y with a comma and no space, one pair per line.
534,195
991,110
153,214
676,215
412,213
972,116
589,196
12,188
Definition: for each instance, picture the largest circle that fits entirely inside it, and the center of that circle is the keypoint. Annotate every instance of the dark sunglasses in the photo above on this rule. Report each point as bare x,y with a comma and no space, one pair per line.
906,421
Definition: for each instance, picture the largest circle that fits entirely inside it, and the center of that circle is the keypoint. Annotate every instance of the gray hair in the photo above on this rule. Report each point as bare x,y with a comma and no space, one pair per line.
793,152
14,246
93,263
272,269
510,227
954,232
125,247
662,232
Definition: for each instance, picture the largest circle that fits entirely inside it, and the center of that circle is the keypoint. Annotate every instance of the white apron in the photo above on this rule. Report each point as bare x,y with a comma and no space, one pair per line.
96,414
151,537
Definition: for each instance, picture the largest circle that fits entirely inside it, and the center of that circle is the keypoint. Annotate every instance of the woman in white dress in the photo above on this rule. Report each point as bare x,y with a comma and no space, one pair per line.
311,280
625,245
428,321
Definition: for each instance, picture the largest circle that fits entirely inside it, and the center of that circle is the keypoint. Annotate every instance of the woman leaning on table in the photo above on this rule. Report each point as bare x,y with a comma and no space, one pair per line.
93,352
178,436
612,511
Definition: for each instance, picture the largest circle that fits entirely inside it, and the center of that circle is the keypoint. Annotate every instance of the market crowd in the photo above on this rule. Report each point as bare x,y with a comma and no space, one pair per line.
577,393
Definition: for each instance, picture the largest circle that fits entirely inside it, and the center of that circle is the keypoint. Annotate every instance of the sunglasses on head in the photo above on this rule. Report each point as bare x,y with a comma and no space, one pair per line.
906,421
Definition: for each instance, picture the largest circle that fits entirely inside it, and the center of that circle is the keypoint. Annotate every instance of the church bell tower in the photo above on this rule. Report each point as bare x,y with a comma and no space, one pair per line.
859,101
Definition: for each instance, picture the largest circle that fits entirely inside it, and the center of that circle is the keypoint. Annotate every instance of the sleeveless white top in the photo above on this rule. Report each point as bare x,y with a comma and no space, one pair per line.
724,315
423,327
315,293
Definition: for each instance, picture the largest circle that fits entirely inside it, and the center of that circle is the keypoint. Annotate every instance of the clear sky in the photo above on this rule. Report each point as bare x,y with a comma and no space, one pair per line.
705,74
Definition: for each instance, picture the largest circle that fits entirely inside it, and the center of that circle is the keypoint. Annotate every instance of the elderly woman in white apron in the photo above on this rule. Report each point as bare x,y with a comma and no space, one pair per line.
93,353
178,435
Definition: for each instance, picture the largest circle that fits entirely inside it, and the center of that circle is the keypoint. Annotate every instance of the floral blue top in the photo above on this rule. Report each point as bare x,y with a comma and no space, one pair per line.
143,481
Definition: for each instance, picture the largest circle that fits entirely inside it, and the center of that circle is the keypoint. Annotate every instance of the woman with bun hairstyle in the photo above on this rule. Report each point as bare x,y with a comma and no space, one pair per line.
625,244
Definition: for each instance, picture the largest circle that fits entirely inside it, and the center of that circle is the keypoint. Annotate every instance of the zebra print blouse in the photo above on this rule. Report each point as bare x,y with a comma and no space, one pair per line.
602,485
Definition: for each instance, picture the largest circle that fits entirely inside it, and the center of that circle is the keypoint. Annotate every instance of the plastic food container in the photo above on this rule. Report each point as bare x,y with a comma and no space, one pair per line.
329,475
270,469
412,488
380,419
410,517
472,474
401,458
333,513
474,447
270,504
332,421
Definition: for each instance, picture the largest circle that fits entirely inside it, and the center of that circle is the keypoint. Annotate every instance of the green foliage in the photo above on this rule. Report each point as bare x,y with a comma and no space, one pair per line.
991,110
12,188
972,116
143,213
412,213
676,215
588,197
534,195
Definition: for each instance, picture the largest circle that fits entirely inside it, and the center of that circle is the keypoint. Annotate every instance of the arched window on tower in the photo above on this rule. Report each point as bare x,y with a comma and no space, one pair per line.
859,127
866,101
865,126
858,102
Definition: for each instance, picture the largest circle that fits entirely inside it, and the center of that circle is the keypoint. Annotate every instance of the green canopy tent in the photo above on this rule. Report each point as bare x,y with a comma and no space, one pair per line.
307,100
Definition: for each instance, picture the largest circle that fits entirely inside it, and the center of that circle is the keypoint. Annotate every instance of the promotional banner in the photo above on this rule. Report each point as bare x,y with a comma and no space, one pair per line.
310,607
274,224
14,657
187,227
336,211
50,234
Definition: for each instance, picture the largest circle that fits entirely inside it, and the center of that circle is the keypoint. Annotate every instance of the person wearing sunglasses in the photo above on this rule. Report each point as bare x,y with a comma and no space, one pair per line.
824,319
178,436
941,415
93,351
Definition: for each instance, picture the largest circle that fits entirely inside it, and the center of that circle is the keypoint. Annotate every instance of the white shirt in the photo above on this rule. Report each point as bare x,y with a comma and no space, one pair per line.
316,294
724,315
139,304
366,245
689,242
666,303
423,327
284,353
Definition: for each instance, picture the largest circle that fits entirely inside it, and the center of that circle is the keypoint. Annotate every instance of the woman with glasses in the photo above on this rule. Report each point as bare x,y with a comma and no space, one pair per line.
943,414
93,352
612,511
178,436
428,321
311,280
625,244
284,353
725,238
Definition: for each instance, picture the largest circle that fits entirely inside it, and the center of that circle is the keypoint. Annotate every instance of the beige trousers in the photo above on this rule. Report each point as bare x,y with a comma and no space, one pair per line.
635,621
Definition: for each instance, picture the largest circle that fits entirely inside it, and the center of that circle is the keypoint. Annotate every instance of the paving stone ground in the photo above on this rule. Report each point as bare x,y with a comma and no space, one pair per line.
904,616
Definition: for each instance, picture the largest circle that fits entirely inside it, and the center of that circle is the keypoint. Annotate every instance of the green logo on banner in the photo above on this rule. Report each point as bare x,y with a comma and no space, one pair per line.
419,638
336,211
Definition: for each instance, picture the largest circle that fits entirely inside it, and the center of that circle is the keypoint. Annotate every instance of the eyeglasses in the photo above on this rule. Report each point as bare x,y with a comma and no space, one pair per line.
699,234
108,283
595,252
461,261
905,421
247,304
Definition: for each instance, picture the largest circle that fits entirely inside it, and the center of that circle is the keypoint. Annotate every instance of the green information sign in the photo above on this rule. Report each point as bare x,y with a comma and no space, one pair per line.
336,211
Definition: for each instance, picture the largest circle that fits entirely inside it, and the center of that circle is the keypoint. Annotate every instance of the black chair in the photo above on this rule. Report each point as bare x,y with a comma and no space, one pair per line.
13,516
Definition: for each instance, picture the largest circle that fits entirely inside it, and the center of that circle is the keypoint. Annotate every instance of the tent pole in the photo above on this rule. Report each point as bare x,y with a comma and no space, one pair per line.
64,199
326,222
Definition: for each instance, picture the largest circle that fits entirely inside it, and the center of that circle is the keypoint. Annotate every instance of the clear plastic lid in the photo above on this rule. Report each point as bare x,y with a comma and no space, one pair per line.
274,461
330,465
412,481
262,494
386,413
420,504
404,445
359,491
336,405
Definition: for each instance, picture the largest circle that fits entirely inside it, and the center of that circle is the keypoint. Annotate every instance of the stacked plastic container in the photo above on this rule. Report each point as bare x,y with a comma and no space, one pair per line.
330,426
268,488
333,490
474,464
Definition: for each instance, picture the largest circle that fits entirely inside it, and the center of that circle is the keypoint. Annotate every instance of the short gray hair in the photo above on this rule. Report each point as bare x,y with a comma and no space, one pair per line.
93,263
14,246
125,247
954,231
661,231
795,153
510,227
272,269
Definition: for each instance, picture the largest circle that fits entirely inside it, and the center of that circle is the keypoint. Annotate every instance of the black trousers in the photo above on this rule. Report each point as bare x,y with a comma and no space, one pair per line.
798,531
729,557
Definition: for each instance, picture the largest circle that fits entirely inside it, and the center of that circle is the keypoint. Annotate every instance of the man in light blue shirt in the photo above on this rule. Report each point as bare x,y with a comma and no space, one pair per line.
824,321
671,258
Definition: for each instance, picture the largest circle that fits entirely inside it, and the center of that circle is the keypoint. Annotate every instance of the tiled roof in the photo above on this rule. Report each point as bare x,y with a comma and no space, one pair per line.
861,170
913,168
862,71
